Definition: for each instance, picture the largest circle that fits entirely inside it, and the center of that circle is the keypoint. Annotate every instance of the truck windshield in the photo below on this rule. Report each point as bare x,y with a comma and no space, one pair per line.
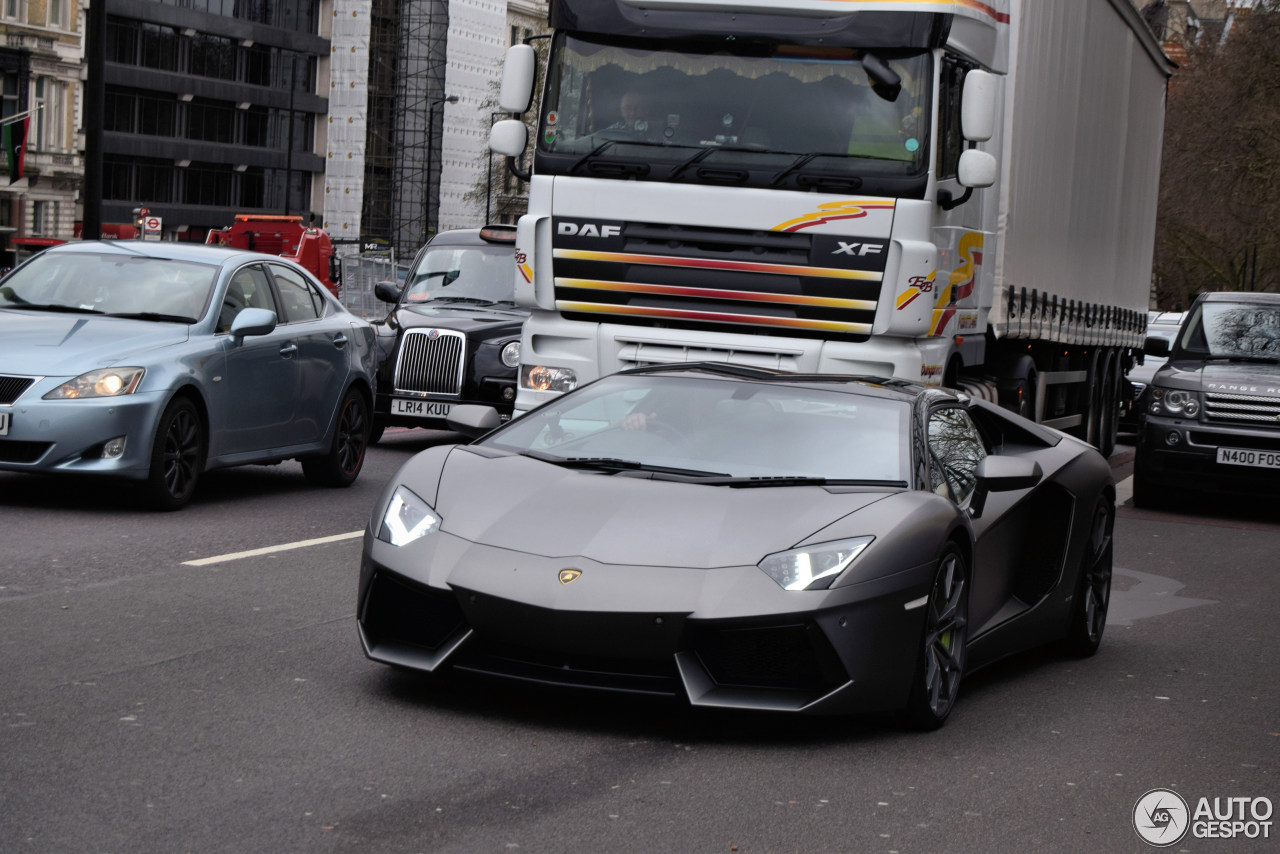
1230,330
782,111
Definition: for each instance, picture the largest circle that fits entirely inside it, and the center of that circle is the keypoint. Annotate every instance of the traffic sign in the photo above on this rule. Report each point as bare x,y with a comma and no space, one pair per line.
151,228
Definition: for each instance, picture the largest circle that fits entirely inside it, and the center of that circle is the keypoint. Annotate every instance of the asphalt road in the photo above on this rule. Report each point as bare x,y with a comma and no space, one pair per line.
149,704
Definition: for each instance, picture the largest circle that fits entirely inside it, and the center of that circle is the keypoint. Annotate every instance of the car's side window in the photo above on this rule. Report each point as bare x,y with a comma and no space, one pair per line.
956,448
249,288
301,300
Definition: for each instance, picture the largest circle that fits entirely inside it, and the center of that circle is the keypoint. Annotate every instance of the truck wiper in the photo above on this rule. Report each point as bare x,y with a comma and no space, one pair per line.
709,150
795,164
609,143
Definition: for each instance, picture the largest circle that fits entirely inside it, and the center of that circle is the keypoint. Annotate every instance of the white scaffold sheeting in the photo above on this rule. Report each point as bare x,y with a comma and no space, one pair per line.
348,106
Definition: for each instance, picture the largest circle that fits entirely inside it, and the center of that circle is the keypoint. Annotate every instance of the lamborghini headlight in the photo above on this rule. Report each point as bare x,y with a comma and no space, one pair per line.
1174,402
408,518
813,567
104,382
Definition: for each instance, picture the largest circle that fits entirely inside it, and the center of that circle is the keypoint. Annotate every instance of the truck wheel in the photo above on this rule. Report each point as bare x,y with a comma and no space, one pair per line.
341,465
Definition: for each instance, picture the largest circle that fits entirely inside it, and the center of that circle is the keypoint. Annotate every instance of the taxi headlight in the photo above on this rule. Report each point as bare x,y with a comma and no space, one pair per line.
511,354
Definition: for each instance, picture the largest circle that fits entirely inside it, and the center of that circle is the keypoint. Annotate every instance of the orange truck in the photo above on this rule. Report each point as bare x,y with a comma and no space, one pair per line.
285,236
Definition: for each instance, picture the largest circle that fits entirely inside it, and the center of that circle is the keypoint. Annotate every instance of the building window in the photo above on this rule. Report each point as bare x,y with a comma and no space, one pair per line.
57,13
47,120
213,56
44,218
159,48
15,10
210,121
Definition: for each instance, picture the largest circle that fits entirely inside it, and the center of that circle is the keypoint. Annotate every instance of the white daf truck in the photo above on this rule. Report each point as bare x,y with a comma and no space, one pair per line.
959,192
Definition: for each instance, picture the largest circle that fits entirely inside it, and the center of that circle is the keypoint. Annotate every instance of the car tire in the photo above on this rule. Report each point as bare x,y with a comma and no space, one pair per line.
1093,589
935,683
377,426
341,465
177,457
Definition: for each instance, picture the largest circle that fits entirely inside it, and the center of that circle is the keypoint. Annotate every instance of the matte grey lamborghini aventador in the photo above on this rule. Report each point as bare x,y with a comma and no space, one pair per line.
746,539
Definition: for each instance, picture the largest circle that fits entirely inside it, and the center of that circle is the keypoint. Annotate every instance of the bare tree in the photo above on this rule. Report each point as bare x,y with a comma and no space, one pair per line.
1219,218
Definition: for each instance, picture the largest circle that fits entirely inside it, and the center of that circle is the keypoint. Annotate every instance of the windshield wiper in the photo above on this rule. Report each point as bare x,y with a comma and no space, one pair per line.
615,464
471,300
155,315
1239,357
795,164
68,309
801,480
609,143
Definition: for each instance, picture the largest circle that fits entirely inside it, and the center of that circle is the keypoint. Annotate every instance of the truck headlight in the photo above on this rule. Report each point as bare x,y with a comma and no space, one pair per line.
407,518
511,354
104,382
1174,402
813,567
540,378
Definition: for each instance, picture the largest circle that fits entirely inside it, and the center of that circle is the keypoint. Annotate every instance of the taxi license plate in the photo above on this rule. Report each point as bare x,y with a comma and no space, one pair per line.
4,424
1246,457
420,408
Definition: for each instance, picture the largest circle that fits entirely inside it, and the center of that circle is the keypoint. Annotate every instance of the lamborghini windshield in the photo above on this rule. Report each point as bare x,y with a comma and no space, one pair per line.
717,427
785,109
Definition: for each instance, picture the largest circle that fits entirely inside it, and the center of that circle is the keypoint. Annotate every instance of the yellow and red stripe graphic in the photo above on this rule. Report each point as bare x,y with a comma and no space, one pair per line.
522,264
832,211
715,293
715,317
965,277
919,285
715,264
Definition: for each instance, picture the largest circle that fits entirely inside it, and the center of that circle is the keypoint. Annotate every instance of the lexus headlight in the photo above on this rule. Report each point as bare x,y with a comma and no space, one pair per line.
511,354
540,378
813,567
408,518
1175,402
105,382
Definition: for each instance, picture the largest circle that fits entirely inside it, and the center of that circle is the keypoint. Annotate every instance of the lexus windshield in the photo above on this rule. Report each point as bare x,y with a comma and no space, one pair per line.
110,283
773,112
720,427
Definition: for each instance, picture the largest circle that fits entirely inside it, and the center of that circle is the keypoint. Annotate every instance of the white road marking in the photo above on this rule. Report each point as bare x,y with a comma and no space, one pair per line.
301,544
1124,490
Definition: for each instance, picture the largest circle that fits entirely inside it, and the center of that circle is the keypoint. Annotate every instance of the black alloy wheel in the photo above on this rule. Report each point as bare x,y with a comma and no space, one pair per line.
936,683
177,457
1093,591
341,465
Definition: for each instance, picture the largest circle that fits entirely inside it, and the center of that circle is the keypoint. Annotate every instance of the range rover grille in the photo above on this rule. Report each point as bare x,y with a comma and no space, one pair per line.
1242,408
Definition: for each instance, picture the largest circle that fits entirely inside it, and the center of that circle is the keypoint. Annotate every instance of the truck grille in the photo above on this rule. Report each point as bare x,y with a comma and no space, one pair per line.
11,387
769,282
431,362
1242,408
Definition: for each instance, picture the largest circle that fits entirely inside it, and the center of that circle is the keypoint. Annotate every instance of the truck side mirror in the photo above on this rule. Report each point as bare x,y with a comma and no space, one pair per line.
977,169
978,106
509,137
518,73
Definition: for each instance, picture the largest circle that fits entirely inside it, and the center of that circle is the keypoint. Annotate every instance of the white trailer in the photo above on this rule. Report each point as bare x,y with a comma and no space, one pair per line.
959,192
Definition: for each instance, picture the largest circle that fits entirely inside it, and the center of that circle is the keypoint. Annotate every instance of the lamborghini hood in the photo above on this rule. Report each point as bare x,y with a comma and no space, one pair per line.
526,505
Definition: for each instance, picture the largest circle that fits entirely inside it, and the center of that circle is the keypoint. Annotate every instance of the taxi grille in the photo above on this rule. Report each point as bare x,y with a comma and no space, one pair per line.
1242,408
11,387
431,362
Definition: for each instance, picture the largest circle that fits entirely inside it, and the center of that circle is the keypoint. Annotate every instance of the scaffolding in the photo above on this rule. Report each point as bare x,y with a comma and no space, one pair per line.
407,55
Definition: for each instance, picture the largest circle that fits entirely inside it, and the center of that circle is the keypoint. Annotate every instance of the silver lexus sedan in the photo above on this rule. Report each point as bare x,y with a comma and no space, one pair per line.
156,362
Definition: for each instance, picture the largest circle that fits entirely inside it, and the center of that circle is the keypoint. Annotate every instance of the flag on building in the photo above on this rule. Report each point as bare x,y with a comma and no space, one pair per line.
15,147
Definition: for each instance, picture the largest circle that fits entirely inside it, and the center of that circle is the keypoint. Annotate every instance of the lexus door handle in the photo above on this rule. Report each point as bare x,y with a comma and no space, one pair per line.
340,341
288,350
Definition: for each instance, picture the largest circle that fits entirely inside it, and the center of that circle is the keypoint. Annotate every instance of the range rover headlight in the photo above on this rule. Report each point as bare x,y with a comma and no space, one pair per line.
813,567
541,378
407,518
1174,402
511,354
104,382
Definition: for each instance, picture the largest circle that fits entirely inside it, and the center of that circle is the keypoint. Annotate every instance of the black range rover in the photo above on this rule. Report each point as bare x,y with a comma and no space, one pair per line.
454,334
1213,410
